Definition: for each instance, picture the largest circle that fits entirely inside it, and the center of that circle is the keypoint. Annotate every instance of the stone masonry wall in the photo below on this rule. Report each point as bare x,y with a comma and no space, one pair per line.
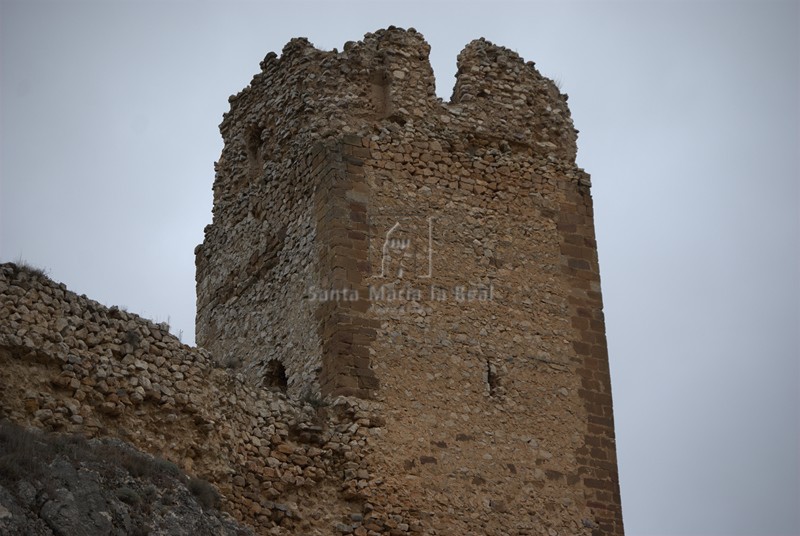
442,263
70,364
399,319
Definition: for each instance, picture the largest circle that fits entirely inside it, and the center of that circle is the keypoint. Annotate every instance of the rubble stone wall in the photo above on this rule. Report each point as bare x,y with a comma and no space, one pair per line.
445,268
72,365
399,317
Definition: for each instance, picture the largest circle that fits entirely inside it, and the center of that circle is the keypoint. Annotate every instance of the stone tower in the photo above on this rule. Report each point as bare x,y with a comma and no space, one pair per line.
437,258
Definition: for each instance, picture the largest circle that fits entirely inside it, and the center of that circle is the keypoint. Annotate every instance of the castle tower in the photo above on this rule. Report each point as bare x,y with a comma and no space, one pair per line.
438,258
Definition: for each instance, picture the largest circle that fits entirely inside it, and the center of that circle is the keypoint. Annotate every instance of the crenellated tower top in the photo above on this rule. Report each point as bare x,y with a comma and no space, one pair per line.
385,82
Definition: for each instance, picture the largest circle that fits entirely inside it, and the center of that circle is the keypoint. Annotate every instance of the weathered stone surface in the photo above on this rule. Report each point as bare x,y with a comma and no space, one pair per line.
371,240
399,311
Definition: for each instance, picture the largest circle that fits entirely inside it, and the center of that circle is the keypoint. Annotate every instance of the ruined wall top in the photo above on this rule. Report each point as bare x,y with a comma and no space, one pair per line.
384,84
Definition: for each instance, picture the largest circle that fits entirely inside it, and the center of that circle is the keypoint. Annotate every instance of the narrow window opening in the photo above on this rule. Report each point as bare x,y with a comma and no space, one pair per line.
380,93
275,376
492,380
255,157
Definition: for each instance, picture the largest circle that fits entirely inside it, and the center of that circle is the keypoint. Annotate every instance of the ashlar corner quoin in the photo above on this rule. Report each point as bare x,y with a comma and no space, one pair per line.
436,258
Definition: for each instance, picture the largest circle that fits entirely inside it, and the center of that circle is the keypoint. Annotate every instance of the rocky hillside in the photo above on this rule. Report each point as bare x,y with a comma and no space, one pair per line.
58,484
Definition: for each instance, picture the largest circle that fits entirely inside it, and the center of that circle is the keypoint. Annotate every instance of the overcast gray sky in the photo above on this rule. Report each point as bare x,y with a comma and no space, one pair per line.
688,116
